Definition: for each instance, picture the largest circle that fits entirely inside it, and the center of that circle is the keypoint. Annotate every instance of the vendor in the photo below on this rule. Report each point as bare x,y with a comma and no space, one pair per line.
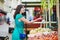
38,15
19,22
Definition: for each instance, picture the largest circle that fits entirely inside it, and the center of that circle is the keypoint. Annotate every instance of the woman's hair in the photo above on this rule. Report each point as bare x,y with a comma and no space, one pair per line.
17,10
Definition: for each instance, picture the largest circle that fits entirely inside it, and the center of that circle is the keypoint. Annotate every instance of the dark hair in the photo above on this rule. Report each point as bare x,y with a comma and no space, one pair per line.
18,9
3,12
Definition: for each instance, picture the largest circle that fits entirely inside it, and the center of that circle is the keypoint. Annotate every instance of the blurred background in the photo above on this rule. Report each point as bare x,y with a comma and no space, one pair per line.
49,10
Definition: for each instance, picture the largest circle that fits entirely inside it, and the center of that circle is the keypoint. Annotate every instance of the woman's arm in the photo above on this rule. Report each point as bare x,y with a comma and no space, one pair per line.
25,20
28,22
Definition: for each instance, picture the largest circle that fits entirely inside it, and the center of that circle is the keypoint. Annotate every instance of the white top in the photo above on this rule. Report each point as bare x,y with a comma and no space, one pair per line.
4,29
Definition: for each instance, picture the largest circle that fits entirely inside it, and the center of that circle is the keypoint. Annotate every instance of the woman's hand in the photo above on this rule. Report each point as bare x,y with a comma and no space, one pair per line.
32,22
39,18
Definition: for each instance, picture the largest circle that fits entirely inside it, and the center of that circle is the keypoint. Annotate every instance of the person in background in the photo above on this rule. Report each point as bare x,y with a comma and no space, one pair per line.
2,16
38,15
19,22
4,27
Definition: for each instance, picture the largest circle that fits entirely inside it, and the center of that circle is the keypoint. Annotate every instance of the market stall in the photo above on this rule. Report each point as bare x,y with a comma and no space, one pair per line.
48,26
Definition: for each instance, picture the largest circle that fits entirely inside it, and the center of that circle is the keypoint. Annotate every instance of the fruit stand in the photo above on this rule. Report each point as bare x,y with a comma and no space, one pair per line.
42,34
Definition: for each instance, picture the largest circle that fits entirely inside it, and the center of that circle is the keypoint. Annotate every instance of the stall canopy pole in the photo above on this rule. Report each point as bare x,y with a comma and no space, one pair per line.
57,9
49,12
45,9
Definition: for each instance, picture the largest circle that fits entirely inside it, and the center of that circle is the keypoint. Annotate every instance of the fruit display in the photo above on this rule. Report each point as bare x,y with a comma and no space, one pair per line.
42,34
40,30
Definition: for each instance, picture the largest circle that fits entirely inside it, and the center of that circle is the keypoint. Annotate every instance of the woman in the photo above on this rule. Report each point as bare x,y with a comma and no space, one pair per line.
19,22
